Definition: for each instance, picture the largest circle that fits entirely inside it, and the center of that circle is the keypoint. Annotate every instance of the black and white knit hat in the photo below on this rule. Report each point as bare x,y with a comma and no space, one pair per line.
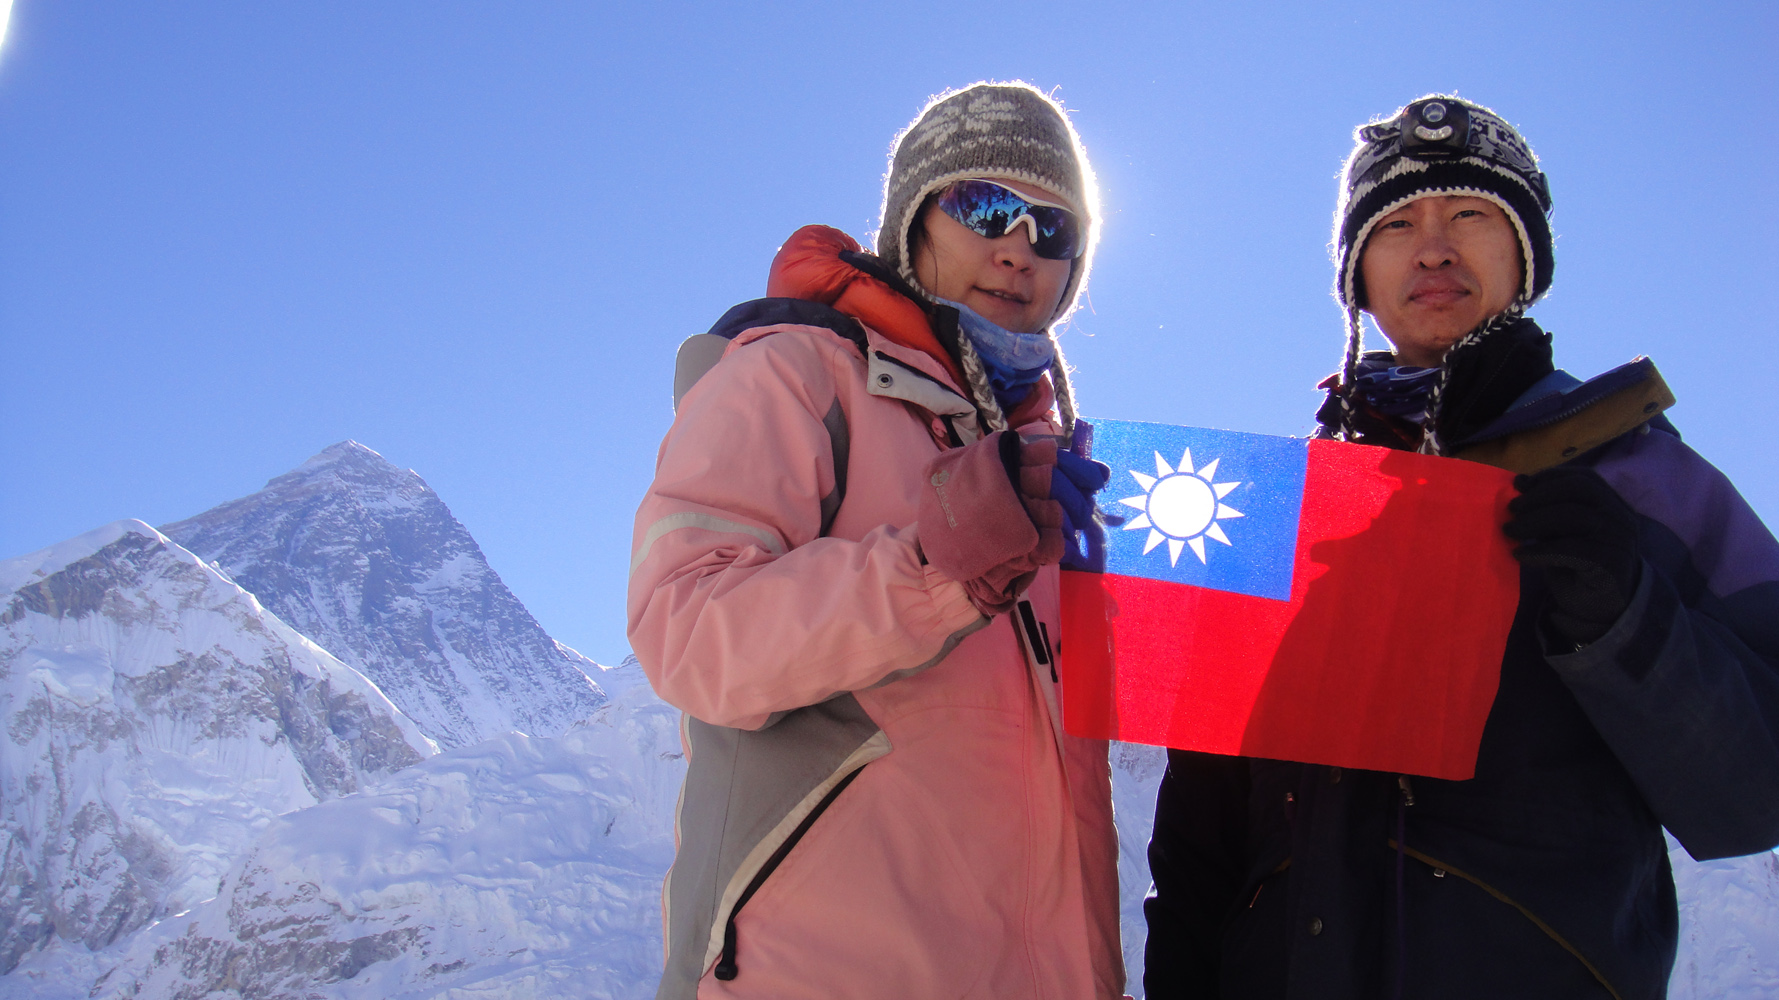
997,131
1438,145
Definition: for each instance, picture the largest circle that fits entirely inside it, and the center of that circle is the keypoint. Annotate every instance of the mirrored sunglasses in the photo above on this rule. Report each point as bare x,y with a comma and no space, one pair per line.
991,210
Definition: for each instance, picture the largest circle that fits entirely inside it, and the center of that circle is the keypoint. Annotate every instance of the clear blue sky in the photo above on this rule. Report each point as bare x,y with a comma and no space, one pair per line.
470,236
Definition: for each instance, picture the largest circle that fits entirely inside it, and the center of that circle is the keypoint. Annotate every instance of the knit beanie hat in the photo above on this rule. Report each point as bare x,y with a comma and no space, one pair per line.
997,131
1440,145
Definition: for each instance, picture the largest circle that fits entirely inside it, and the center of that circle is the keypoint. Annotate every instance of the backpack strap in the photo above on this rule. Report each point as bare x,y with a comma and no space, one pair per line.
1562,425
702,351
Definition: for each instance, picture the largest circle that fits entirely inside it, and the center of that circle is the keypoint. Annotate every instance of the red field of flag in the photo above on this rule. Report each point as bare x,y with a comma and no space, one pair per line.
1385,655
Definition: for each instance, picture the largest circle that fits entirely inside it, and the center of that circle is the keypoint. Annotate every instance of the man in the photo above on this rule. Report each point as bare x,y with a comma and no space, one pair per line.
1639,689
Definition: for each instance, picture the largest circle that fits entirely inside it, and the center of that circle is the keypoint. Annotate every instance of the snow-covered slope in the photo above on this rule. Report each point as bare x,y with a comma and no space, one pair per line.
1136,774
1729,927
519,867
365,559
156,719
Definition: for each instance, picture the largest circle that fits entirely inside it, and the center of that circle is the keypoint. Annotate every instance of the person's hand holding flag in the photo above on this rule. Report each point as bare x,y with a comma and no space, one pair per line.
1073,485
985,518
1575,528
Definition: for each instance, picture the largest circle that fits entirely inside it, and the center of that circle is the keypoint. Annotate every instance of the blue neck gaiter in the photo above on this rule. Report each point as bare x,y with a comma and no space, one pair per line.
1014,361
1396,390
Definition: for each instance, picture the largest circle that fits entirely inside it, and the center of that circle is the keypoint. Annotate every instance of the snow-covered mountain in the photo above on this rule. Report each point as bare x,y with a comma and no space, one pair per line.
365,559
156,719
519,867
1729,927
1136,775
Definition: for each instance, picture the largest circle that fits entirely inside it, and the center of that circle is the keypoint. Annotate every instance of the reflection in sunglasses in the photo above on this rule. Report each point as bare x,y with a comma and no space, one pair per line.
993,210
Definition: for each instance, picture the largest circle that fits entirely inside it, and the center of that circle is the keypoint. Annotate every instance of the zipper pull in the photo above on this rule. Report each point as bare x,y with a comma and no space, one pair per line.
1038,642
1408,790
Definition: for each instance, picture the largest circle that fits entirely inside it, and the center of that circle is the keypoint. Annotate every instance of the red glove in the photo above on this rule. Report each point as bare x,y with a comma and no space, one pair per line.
987,520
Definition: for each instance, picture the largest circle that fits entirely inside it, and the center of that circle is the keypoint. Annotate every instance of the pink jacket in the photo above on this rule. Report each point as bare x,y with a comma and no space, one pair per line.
881,801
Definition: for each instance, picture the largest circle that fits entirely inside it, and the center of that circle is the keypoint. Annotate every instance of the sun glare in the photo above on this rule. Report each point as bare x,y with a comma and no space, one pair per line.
1181,507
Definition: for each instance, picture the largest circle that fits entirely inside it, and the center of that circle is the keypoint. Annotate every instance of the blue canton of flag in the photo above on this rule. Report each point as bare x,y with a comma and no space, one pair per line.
1208,508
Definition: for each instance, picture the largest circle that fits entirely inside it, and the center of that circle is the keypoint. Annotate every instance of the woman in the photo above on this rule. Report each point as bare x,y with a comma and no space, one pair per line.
845,575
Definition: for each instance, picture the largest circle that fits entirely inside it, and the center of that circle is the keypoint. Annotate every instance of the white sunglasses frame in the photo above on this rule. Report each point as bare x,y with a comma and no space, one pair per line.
1031,224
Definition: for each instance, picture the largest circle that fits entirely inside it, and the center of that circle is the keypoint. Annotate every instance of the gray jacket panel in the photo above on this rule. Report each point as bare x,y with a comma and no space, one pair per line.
745,792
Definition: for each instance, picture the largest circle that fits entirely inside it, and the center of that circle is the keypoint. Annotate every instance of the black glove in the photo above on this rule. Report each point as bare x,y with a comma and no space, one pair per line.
1575,527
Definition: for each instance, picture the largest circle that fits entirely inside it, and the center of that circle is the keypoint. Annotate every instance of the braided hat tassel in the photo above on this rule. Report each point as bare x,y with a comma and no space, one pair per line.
1065,392
1430,440
982,394
1349,373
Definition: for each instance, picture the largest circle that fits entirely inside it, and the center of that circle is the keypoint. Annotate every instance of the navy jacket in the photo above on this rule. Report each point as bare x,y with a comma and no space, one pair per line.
1545,875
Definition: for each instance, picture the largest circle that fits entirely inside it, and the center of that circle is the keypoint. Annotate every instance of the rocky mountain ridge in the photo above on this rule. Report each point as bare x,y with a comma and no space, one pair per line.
157,718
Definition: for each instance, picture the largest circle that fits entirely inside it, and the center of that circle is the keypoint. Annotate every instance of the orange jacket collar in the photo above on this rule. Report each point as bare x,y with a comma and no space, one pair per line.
808,266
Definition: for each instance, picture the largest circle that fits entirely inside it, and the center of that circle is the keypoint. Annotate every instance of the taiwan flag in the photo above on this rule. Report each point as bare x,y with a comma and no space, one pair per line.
1292,599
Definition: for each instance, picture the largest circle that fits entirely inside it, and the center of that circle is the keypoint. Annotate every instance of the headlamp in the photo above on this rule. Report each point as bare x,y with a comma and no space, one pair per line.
1440,129
1434,130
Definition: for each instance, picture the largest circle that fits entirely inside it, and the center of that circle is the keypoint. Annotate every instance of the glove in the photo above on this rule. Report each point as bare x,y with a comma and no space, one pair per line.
1073,485
986,519
1581,534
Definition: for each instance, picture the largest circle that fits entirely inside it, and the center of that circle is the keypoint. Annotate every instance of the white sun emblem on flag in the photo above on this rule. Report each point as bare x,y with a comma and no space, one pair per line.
1181,507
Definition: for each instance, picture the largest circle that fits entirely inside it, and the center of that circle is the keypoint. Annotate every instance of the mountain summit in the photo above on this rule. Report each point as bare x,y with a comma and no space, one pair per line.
365,559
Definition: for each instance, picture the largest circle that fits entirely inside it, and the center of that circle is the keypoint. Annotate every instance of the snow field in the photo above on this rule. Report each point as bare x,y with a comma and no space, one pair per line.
189,801
518,866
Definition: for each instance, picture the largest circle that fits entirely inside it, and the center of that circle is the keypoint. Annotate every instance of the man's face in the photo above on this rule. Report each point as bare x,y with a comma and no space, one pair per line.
1435,269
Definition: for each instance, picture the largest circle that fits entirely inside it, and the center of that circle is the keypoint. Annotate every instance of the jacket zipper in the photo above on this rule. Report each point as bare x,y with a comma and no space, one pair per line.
1551,932
725,967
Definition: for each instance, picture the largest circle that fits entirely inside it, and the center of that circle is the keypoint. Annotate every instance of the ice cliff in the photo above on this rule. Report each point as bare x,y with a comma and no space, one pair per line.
519,867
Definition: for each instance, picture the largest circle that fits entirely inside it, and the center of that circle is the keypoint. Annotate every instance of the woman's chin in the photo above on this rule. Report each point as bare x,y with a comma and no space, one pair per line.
1008,316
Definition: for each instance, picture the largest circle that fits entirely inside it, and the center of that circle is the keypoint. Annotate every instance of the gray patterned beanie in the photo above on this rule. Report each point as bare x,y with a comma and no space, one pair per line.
1005,131
1009,131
